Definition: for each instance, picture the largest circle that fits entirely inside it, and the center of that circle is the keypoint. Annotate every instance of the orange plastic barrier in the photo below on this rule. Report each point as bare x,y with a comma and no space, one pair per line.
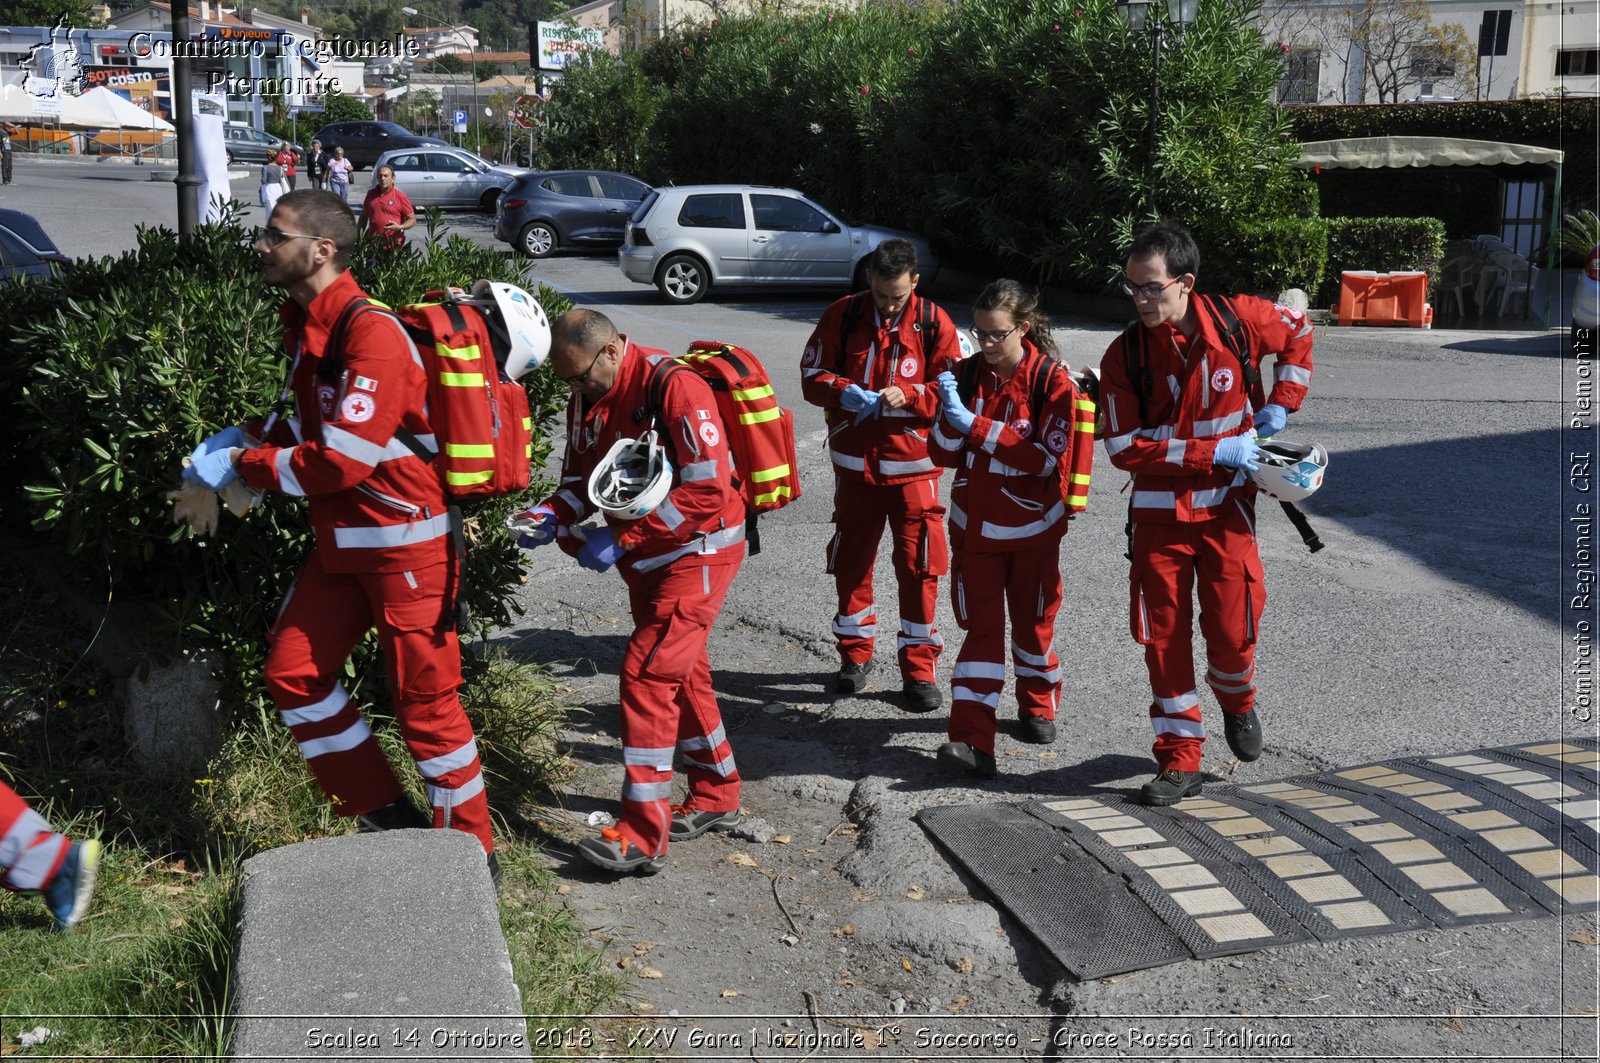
1369,298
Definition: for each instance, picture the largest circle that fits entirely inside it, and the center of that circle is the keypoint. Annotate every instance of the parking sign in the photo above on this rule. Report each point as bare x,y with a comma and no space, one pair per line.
459,119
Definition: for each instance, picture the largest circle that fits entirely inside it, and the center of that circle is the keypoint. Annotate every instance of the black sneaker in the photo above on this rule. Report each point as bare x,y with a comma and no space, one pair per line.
921,695
690,822
1169,787
614,852
1244,734
853,677
958,756
1035,730
396,815
494,872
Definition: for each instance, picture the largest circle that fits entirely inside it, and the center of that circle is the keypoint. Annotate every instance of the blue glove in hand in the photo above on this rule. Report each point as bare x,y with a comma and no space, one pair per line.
533,527
1237,452
1271,419
215,469
949,390
226,439
871,409
600,551
959,417
856,398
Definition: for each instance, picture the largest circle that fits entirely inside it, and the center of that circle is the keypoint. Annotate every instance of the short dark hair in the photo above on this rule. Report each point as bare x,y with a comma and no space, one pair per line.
1173,242
893,258
581,329
324,214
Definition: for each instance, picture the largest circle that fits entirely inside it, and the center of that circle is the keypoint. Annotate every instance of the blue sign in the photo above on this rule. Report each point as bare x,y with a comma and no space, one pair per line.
460,121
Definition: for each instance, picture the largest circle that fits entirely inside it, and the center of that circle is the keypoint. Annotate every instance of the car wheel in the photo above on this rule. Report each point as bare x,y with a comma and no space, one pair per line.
537,239
490,198
683,279
229,156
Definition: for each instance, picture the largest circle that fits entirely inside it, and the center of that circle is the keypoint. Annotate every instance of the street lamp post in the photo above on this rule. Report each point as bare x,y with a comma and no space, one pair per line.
1155,13
471,72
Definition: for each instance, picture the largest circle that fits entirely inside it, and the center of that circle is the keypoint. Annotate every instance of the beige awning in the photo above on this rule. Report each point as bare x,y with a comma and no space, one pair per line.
1377,153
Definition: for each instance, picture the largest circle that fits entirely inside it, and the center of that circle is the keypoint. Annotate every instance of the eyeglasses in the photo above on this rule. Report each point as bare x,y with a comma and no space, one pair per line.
1148,291
275,237
993,337
583,377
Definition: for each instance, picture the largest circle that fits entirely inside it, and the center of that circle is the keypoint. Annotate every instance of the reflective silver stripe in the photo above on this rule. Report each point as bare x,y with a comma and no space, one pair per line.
706,544
348,738
572,501
807,374
1158,433
1154,500
848,461
979,670
16,841
700,470
444,763
943,438
904,411
1041,660
351,446
922,635
318,710
1219,425
1052,676
32,867
902,468
991,438
1000,468
1172,386
646,792
1033,527
854,625
1117,444
417,531
913,629
1236,676
959,692
710,741
958,516
657,757
1231,688
288,483
724,767
294,428
670,515
1175,449
1181,703
1212,496
394,449
455,796
1171,725
1292,374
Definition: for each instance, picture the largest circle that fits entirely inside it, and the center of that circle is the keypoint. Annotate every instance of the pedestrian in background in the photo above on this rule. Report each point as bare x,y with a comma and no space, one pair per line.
271,185
1020,437
317,164
36,859
7,131
287,158
386,212
339,170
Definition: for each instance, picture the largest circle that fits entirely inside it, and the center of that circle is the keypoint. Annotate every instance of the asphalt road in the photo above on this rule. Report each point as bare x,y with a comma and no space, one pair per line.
1431,624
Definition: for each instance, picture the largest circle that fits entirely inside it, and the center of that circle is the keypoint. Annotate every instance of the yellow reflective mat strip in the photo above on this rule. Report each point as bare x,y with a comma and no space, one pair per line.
762,392
461,353
761,476
469,450
465,479
461,380
760,416
773,495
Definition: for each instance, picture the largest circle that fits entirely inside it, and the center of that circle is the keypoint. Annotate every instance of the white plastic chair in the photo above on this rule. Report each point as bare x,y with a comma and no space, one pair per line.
1523,282
1459,276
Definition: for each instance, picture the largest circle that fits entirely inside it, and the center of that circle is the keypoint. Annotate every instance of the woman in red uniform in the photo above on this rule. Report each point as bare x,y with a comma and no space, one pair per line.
1020,436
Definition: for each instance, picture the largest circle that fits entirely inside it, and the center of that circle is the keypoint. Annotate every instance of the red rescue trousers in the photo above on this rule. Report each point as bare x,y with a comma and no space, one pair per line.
324,616
1218,560
916,522
984,588
30,852
667,702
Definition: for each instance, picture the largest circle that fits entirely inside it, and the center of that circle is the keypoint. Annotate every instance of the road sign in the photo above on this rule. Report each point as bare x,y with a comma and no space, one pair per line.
526,111
459,120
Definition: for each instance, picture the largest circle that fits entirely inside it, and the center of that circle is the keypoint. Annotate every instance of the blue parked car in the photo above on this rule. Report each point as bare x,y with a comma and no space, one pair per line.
566,208
25,250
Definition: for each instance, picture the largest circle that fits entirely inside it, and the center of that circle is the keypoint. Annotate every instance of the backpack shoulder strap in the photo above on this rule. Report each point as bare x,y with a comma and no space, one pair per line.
1044,380
967,379
1137,367
852,314
927,326
1226,320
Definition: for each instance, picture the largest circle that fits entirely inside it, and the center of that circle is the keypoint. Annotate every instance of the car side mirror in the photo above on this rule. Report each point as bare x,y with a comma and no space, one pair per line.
830,226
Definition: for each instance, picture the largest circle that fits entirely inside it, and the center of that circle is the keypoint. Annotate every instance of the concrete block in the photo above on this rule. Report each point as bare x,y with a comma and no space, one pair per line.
172,719
374,946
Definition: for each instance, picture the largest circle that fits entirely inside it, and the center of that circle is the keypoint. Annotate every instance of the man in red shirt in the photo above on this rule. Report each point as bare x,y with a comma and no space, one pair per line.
387,212
678,562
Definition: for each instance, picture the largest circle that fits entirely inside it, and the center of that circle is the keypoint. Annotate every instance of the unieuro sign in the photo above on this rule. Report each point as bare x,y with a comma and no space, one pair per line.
559,42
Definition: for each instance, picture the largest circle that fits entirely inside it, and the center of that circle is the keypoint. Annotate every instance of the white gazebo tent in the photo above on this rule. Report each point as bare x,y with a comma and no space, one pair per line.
1395,153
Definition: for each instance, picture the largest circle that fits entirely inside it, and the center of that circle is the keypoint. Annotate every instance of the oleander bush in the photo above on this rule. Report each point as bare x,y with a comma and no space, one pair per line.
1382,244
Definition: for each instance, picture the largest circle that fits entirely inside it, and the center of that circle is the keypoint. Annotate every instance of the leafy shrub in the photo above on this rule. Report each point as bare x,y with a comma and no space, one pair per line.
1383,244
602,117
1264,256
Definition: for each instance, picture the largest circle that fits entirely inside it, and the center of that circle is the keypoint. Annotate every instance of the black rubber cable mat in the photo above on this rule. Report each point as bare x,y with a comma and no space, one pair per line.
1109,886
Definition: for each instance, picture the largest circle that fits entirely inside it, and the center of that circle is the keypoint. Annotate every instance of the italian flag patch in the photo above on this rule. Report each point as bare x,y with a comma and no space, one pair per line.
365,383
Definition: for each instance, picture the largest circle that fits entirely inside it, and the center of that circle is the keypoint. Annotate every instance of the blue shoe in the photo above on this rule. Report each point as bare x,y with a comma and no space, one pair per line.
67,895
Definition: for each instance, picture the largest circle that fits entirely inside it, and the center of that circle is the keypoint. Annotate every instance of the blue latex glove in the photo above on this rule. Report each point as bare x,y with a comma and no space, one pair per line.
600,551
856,398
959,417
226,439
215,469
534,526
873,408
1237,452
949,390
1271,419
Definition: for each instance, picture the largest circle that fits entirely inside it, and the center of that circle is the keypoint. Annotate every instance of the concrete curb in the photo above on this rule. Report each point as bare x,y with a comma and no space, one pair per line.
374,946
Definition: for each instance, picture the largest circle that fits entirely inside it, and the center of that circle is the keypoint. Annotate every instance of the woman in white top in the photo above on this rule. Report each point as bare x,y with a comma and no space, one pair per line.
339,170
271,185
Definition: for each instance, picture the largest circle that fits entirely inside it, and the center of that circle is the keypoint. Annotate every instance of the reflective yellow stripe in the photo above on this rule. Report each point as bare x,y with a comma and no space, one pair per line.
461,380
761,415
469,450
527,422
457,352
1078,500
761,476
529,449
763,392
466,479
773,495
1084,404
1079,478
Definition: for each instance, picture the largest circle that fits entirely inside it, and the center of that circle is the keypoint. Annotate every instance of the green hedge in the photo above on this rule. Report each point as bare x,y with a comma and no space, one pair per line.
1382,244
1264,257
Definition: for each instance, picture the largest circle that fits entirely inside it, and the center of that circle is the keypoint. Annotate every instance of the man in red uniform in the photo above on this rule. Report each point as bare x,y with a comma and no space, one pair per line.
384,554
678,562
1184,423
387,212
870,363
35,859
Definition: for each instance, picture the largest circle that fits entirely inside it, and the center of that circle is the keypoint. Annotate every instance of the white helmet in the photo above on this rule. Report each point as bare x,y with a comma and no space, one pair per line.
632,479
1290,471
517,320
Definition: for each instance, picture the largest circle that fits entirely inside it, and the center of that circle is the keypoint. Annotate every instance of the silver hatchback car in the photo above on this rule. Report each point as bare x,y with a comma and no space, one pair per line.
685,240
448,177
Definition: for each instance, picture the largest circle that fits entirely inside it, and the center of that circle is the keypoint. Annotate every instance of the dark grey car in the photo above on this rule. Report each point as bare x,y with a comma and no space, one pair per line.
25,250
363,142
566,208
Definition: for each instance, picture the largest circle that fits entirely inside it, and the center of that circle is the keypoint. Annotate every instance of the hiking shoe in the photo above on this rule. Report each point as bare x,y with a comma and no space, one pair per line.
1244,734
614,852
1035,730
690,822
400,814
1169,787
958,756
67,895
494,872
921,695
853,677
